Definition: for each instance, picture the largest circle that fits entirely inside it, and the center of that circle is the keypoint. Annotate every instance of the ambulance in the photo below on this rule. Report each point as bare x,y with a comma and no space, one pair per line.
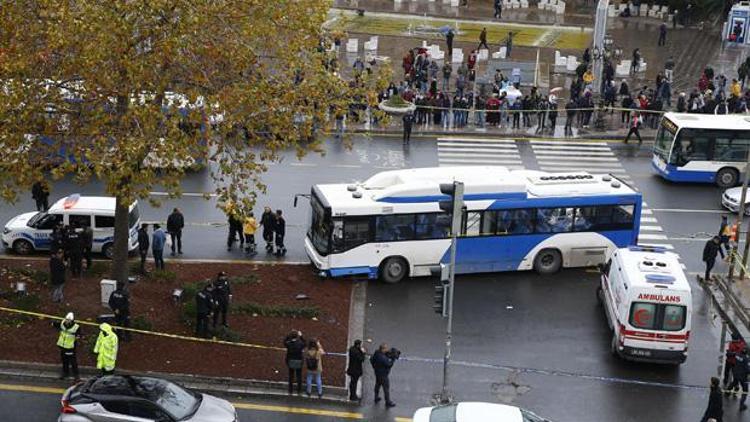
31,231
647,302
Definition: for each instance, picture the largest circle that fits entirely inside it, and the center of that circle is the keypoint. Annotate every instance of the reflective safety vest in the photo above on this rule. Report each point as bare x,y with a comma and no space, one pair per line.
67,337
106,350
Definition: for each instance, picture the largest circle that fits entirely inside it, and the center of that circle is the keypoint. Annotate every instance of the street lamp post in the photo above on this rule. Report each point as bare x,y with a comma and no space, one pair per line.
455,207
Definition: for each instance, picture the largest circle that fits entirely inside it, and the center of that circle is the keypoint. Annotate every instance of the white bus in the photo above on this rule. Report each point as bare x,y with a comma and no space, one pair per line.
702,148
391,226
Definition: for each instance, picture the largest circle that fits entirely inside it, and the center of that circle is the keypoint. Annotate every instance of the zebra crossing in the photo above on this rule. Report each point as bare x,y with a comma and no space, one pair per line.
456,151
594,157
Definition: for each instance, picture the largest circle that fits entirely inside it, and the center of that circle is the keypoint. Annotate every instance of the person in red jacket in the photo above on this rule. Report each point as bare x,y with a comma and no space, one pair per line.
734,348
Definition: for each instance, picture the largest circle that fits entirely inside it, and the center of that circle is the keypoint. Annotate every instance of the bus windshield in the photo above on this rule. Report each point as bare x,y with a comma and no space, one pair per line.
663,143
320,227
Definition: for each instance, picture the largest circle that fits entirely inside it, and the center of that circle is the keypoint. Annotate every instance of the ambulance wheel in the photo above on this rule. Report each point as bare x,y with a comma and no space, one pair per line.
393,270
23,247
548,261
108,251
727,177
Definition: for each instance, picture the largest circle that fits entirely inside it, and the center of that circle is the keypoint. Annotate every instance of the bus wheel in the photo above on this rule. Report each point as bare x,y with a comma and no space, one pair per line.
727,177
393,270
22,247
108,251
547,261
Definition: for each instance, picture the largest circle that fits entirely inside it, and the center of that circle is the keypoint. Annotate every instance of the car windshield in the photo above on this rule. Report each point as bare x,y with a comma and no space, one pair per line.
176,400
320,227
33,220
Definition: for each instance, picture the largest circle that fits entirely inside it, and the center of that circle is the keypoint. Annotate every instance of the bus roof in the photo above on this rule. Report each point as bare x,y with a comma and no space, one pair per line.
652,267
709,121
481,183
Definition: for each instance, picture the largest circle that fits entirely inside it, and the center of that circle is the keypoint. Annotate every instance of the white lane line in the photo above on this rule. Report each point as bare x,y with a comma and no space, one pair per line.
651,229
479,160
650,236
478,149
572,154
571,143
469,155
570,148
647,212
349,166
648,220
575,158
188,194
658,245
478,144
480,140
682,210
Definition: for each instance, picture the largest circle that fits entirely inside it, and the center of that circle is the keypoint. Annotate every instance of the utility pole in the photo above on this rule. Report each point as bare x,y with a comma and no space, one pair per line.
600,29
454,206
740,216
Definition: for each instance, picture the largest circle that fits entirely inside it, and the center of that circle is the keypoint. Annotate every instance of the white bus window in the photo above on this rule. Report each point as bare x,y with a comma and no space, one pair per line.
394,227
471,225
643,315
356,232
432,226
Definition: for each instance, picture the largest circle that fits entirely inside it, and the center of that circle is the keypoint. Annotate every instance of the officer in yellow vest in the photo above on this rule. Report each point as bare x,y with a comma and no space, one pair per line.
66,341
106,349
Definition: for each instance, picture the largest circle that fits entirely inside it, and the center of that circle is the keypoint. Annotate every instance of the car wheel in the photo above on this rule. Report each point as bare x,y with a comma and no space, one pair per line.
23,247
548,261
393,270
108,251
727,177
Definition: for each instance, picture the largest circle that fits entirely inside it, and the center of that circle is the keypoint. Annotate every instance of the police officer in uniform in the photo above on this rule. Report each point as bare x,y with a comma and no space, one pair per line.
222,297
75,250
69,332
204,302
119,302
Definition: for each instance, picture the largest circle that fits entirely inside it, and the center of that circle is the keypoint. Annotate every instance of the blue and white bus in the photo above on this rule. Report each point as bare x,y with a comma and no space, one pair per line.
391,226
702,148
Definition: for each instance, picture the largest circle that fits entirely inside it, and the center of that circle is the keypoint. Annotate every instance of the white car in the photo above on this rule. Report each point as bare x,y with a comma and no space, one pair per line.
731,199
475,412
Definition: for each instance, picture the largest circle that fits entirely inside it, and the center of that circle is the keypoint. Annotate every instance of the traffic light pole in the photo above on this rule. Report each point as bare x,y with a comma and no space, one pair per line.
458,201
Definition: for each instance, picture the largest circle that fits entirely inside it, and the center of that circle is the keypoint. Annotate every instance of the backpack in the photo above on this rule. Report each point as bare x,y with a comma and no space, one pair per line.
312,363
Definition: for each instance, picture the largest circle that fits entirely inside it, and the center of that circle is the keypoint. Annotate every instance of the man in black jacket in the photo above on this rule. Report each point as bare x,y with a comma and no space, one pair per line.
222,297
354,370
381,365
715,407
280,230
41,196
204,306
88,244
143,244
713,247
295,345
408,121
175,223
119,302
740,371
57,275
75,249
268,221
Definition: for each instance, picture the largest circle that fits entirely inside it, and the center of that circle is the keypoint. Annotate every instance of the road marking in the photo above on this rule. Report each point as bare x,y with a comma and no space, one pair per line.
400,419
652,228
650,236
238,405
298,410
681,210
31,389
303,164
349,166
480,140
576,158
588,148
648,220
188,194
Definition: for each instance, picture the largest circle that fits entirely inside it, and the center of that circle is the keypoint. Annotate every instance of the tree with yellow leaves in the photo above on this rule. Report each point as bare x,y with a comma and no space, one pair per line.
107,89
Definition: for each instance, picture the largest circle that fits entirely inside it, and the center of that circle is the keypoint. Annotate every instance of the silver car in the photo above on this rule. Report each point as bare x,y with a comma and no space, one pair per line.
141,399
731,200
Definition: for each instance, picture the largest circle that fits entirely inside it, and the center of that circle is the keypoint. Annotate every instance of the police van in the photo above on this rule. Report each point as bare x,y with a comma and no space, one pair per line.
647,301
31,231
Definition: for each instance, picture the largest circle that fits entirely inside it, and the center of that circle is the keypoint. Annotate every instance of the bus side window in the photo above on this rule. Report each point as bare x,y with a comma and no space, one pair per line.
472,221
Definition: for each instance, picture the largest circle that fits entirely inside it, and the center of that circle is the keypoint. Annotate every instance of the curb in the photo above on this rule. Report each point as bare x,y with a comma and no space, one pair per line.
222,385
174,261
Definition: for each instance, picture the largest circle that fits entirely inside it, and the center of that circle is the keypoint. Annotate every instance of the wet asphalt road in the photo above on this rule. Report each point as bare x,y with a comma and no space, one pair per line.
538,342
